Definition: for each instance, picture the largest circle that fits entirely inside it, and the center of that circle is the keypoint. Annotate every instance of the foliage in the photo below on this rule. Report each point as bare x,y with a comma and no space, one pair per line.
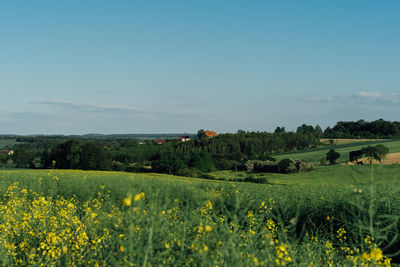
380,152
362,129
23,158
332,156
355,155
287,166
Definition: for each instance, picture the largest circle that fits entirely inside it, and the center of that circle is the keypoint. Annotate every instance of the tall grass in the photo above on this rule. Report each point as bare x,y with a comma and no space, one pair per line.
157,219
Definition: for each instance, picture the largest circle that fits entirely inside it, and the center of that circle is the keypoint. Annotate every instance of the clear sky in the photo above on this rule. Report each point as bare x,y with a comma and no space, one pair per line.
76,67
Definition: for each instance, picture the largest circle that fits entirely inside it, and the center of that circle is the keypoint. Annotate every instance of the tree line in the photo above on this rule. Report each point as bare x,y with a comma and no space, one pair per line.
229,151
363,129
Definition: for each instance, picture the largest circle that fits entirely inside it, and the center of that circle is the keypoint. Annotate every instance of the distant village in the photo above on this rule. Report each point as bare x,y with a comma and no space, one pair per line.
184,138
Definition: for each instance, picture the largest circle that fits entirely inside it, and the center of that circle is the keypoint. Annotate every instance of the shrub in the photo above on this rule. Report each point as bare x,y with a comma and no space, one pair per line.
189,172
287,166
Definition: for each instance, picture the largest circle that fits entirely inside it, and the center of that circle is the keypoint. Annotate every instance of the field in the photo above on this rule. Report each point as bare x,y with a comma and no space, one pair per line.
335,215
315,155
344,141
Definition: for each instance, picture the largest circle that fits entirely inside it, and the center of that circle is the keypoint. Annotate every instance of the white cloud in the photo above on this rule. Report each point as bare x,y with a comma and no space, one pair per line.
377,97
108,109
322,99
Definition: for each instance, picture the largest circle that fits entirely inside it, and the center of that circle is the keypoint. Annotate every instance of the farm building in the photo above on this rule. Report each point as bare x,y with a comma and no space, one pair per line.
211,134
183,138
8,152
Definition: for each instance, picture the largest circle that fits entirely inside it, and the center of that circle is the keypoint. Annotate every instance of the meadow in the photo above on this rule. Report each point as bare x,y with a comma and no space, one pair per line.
315,155
335,215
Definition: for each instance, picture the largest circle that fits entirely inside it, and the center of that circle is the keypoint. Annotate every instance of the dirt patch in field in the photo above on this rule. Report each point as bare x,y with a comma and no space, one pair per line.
392,158
338,141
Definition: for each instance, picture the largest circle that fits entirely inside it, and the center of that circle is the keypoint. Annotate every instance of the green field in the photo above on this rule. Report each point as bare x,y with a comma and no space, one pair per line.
114,218
315,155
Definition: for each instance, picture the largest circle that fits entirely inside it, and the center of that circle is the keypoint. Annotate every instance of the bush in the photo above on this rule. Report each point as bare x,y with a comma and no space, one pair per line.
261,166
303,166
252,179
287,166
189,172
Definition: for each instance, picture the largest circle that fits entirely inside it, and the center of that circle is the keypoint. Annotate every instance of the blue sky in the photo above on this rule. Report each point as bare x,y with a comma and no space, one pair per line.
75,67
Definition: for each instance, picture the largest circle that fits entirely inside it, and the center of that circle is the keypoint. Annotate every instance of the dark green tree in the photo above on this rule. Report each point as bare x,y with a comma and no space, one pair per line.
369,152
380,152
93,157
355,155
332,156
23,158
67,155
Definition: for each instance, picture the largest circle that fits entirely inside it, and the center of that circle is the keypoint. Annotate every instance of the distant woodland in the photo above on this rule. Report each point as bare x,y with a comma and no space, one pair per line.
201,154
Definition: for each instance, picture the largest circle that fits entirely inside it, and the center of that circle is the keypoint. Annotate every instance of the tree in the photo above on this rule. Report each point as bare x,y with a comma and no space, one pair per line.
23,158
67,155
332,156
93,157
280,130
201,134
355,155
318,131
4,158
369,151
380,152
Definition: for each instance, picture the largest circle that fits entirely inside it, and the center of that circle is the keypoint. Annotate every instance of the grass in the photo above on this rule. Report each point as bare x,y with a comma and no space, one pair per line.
315,155
79,217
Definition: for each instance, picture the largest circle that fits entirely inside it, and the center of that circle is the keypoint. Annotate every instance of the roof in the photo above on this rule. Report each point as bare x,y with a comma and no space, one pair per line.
211,133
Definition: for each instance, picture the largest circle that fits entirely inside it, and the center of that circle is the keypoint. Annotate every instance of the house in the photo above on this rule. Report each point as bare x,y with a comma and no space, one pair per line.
160,141
8,152
211,134
183,138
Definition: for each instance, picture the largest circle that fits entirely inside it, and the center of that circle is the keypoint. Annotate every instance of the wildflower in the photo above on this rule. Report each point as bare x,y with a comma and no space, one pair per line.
65,249
255,260
127,201
139,196
376,254
121,248
208,228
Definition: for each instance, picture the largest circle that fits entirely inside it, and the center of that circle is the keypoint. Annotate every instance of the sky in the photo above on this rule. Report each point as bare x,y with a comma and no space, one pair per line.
77,67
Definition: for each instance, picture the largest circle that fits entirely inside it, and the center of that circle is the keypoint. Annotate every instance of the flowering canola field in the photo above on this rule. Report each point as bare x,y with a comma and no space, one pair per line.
82,218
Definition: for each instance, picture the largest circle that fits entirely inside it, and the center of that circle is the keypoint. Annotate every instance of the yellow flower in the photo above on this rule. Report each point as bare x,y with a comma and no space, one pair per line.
65,249
139,196
121,248
255,260
127,201
376,254
208,228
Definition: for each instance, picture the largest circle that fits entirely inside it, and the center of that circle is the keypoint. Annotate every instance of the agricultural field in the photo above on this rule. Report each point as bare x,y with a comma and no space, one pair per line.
315,155
335,215
343,141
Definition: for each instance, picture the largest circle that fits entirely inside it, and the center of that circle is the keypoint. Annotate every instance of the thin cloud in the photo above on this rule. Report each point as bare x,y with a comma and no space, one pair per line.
362,97
94,108
377,97
321,99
